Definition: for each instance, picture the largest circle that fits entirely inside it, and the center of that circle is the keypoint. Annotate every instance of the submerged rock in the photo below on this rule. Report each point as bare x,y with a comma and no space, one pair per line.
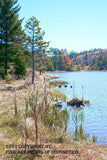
59,86
65,85
58,104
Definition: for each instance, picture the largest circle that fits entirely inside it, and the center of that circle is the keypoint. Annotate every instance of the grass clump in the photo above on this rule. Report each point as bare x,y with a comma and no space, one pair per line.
10,122
57,82
94,139
56,123
8,79
79,134
58,94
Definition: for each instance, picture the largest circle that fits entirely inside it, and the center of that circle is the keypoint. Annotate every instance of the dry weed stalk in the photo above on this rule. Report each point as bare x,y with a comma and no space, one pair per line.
15,101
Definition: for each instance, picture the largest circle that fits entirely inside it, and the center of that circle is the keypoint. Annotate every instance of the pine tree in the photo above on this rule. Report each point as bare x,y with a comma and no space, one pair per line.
10,27
50,66
41,54
33,32
20,65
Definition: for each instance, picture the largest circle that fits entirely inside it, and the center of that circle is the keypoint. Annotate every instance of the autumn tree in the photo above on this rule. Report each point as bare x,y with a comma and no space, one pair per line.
57,59
68,61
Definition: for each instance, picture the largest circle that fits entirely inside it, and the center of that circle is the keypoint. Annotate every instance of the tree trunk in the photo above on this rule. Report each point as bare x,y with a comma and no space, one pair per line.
6,54
33,68
40,72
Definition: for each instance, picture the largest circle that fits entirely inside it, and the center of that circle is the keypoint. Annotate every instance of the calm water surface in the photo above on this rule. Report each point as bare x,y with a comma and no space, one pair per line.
95,90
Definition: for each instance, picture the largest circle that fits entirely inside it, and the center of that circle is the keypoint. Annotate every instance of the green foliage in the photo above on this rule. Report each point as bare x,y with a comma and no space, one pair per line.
10,122
8,79
57,59
20,65
99,64
75,101
10,30
65,117
78,68
41,54
94,138
50,66
59,94
56,118
78,119
57,82
82,65
70,67
33,37
79,134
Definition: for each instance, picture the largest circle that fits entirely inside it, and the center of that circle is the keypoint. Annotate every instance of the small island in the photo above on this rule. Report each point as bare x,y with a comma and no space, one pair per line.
77,102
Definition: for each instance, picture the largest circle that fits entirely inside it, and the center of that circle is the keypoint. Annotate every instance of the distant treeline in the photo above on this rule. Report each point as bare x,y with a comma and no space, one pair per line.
59,60
99,64
22,48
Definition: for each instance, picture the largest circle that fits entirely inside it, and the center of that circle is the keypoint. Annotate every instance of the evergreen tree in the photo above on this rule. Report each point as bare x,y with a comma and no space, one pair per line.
20,65
50,66
9,30
99,64
33,32
57,59
78,68
41,54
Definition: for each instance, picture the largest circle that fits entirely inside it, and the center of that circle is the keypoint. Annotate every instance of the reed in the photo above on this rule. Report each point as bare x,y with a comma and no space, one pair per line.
94,138
78,119
15,101
26,114
35,118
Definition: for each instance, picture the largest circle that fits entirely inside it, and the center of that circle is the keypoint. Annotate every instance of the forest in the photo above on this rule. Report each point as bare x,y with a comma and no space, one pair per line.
22,48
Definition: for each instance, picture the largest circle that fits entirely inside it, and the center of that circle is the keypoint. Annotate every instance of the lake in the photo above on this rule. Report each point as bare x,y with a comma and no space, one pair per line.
95,90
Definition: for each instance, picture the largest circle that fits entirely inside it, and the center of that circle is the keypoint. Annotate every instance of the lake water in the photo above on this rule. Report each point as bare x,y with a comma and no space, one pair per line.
95,90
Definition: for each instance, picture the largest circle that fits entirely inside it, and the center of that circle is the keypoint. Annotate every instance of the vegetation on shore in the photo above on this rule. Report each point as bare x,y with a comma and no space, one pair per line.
55,83
28,117
27,114
77,102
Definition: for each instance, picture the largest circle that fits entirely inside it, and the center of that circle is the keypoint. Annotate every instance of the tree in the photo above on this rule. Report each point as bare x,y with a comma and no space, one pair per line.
41,54
54,55
67,61
33,31
20,65
82,65
78,68
9,30
86,59
57,58
50,66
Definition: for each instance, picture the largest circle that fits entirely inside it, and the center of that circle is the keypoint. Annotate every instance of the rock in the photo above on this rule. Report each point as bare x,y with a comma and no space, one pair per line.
59,86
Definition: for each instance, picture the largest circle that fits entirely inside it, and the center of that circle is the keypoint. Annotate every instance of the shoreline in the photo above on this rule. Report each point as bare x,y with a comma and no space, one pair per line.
58,71
63,92
85,149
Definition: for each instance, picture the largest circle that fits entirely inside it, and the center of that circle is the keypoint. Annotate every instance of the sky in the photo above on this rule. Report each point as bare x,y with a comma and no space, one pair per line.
72,24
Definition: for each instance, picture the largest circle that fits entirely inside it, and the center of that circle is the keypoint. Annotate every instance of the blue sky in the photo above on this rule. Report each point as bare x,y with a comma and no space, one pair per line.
72,24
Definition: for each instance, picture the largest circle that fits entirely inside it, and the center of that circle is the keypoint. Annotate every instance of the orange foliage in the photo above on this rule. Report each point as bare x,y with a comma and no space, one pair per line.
67,61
